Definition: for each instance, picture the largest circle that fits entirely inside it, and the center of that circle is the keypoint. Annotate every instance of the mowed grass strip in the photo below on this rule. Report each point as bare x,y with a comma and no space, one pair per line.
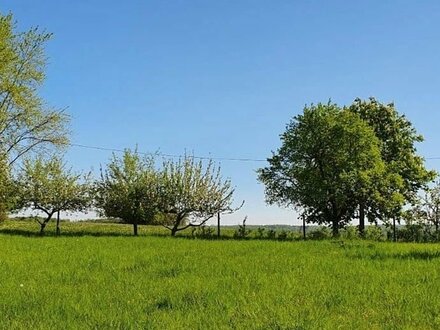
154,282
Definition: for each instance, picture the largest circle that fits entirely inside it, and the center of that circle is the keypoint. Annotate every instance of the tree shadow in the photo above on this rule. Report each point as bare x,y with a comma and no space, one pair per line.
411,255
28,233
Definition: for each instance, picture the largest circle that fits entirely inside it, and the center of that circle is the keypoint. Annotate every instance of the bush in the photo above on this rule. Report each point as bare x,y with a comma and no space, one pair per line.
203,232
260,232
283,235
350,232
271,234
415,233
242,232
374,233
320,233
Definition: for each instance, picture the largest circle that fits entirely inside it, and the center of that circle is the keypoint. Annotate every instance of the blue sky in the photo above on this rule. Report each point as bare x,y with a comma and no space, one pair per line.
222,78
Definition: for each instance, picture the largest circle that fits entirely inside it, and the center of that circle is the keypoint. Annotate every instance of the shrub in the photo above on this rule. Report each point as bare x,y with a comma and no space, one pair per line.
320,233
350,232
203,232
374,233
283,235
242,232
271,234
260,232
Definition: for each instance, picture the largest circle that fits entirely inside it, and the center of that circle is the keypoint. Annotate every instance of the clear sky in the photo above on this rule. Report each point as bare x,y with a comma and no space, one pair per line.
222,78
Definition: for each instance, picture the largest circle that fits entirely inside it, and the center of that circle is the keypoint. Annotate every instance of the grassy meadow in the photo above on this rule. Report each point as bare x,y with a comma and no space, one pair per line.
97,276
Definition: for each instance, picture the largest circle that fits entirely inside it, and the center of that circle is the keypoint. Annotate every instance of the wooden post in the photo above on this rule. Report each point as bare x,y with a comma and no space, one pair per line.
304,228
394,230
362,220
218,224
58,231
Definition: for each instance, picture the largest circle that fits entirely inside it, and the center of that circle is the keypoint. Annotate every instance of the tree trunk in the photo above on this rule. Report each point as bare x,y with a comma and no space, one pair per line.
44,223
335,228
361,220
58,231
42,226
135,228
175,228
174,231
218,225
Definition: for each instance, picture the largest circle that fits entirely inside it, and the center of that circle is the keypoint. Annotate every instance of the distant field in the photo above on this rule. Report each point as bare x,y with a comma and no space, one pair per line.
109,279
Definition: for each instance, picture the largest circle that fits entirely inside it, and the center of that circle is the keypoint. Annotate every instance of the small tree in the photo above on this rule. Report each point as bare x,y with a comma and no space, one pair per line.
426,208
49,187
192,193
128,190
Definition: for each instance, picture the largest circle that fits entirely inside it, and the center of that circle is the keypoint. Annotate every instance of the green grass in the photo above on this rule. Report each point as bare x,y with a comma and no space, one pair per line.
108,279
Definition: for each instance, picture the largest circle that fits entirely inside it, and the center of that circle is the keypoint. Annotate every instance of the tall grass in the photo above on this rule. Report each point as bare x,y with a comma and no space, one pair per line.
107,281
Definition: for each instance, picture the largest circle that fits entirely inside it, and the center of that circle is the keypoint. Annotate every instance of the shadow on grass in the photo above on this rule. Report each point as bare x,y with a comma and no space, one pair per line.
28,233
79,233
411,255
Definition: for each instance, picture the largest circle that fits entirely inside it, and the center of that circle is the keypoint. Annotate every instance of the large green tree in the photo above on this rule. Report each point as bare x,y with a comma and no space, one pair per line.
328,160
27,124
49,186
406,172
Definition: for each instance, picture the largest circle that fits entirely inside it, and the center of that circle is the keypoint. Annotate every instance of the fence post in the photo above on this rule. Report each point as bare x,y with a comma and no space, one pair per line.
58,231
218,224
304,228
394,230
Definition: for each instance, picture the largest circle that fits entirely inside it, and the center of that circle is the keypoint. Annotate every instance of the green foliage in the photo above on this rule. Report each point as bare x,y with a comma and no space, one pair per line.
193,192
49,187
129,190
241,231
203,232
8,189
26,124
405,169
260,233
271,234
350,232
319,234
375,233
283,235
336,164
328,160
179,195
426,208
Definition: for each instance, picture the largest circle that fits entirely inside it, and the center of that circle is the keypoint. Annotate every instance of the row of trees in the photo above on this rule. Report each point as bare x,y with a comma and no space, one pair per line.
337,164
178,195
